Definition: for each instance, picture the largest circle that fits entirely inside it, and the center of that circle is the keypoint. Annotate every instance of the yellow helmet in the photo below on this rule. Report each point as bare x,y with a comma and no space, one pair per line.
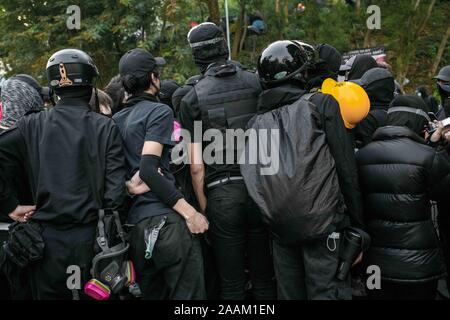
353,100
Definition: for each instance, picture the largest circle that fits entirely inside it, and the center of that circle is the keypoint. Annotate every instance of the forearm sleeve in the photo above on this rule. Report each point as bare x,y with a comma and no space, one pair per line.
159,184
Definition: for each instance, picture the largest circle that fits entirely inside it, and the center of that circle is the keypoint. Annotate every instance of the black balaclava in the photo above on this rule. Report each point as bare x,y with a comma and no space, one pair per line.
379,86
444,92
361,65
327,66
208,45
82,94
412,119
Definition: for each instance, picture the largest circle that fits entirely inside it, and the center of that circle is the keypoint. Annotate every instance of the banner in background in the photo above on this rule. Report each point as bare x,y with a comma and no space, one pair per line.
378,53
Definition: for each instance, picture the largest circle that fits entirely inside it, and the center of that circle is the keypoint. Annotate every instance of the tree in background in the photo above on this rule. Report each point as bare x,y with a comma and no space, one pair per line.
416,33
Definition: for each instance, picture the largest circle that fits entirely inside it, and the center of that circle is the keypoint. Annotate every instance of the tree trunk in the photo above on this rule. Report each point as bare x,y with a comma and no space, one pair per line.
240,25
358,7
427,17
440,52
367,38
286,12
214,12
244,35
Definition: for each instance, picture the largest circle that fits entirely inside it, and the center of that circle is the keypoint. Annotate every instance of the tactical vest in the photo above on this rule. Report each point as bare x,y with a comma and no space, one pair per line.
227,98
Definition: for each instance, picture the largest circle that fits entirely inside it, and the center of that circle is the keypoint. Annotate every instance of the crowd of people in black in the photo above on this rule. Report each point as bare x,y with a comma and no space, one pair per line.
101,204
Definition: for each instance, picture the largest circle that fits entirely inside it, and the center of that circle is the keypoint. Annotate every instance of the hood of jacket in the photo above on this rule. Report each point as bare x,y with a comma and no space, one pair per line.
277,97
379,85
408,111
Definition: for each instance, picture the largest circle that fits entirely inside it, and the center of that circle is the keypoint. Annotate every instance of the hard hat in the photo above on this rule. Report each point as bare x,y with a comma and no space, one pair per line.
353,100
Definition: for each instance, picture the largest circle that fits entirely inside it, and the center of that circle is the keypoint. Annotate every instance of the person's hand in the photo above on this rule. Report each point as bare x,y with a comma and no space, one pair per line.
358,260
437,135
136,186
446,133
197,223
22,213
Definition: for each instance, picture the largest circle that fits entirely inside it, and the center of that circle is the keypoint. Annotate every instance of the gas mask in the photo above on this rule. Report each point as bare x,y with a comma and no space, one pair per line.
111,270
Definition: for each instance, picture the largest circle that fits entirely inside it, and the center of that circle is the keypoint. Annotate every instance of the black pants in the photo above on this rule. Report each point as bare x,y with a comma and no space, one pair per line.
396,291
5,293
175,270
236,232
307,271
63,248
444,234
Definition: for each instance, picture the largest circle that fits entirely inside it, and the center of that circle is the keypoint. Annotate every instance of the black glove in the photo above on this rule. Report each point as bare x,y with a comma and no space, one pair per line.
25,244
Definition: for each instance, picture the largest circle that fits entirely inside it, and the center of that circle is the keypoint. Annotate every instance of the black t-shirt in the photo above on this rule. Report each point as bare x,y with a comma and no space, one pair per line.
147,120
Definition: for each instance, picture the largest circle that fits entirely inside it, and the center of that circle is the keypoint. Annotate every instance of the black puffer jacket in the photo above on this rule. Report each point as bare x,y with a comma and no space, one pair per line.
399,174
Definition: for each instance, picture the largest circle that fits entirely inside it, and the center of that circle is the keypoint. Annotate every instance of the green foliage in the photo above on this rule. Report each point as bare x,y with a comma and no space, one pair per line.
30,31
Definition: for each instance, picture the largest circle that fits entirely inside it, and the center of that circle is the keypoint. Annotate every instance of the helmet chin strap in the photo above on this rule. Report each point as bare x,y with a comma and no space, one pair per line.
97,102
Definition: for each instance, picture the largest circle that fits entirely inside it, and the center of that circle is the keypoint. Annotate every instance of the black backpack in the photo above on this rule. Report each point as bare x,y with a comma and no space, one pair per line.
300,200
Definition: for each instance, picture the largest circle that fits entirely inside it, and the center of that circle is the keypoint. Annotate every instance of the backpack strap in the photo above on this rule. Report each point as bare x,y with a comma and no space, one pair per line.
308,96
119,225
101,239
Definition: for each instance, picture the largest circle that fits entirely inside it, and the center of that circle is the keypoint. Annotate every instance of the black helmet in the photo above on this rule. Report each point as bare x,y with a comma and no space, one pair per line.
70,68
205,34
444,74
284,60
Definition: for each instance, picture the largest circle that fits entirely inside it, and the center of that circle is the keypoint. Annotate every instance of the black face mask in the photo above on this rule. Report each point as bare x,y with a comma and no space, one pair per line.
444,90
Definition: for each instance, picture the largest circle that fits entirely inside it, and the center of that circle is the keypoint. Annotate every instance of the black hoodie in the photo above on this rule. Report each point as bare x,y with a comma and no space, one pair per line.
414,120
361,65
336,136
379,86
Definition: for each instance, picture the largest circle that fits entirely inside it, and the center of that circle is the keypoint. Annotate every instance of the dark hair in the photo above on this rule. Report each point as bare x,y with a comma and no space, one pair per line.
103,99
116,92
135,84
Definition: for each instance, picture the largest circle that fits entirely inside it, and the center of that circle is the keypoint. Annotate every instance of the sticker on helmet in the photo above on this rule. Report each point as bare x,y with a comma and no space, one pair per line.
64,82
280,75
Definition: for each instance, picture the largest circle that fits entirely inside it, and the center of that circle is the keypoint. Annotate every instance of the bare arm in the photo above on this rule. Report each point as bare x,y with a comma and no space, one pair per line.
198,174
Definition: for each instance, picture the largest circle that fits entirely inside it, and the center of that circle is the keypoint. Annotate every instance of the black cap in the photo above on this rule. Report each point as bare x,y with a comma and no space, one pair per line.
139,61
444,74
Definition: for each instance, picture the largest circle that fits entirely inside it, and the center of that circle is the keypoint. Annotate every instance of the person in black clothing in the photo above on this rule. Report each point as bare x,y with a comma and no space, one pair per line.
225,98
307,270
73,158
443,85
430,101
169,266
357,65
212,280
399,176
379,86
21,95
